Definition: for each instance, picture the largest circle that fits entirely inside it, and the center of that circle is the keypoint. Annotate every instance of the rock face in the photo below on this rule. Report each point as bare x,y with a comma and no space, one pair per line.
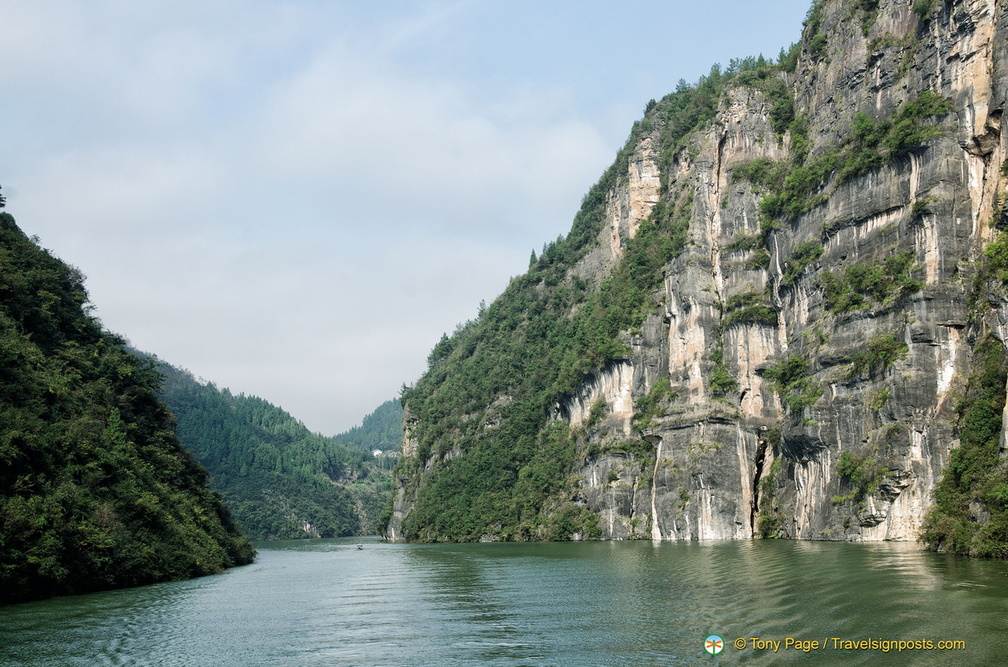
789,411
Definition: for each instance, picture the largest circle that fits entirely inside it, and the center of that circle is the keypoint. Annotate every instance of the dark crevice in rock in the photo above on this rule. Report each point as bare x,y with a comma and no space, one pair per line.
983,144
758,464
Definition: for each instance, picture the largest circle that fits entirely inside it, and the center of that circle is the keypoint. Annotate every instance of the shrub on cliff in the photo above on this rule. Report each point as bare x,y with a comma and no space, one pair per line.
970,514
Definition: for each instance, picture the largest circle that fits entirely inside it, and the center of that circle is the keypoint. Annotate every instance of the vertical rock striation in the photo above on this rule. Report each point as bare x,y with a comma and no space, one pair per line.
799,374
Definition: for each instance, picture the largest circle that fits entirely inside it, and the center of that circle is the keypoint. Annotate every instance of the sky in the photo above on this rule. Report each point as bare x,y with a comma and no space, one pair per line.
296,199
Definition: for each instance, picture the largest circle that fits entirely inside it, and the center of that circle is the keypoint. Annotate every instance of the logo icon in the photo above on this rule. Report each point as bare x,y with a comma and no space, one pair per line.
714,644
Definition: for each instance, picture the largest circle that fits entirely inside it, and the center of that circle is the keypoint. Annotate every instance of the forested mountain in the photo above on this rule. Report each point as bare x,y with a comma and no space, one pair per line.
280,480
779,313
95,490
380,430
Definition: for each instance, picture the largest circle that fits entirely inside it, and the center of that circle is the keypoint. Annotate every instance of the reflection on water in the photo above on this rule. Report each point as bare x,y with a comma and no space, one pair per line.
326,602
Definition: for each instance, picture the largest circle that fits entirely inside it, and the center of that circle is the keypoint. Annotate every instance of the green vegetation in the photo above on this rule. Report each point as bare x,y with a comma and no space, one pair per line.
907,129
921,207
970,514
526,354
744,242
770,523
804,255
878,399
95,490
537,343
997,258
774,439
871,144
814,36
485,492
274,474
526,348
651,405
881,352
763,173
767,79
382,429
868,10
693,107
999,217
750,307
787,60
799,139
869,284
570,519
800,190
794,383
760,260
598,410
923,8
906,44
689,108
544,336
721,381
862,472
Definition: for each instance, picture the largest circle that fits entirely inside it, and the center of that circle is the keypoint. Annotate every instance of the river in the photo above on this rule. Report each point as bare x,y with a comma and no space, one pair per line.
326,602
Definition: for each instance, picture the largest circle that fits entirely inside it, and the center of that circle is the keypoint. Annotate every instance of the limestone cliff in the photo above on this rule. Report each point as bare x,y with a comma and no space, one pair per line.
799,371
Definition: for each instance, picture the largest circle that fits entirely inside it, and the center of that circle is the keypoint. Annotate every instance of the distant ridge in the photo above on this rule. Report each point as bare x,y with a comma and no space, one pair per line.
279,479
380,430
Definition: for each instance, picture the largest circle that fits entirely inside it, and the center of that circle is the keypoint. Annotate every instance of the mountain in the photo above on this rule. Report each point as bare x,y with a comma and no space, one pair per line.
280,480
381,430
95,490
779,313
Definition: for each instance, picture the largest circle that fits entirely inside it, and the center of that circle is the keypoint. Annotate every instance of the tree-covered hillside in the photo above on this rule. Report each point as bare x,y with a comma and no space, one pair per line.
280,480
381,430
95,490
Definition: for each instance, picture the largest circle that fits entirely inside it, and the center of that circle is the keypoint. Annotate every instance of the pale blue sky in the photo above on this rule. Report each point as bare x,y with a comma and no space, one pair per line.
295,199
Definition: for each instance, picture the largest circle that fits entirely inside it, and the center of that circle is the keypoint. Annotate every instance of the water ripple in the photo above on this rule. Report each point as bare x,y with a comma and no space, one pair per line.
326,602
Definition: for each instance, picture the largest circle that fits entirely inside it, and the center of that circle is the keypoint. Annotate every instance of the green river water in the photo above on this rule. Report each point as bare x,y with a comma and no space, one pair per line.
326,602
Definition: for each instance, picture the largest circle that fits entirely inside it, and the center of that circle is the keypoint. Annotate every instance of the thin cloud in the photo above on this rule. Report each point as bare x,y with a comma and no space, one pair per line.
296,199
